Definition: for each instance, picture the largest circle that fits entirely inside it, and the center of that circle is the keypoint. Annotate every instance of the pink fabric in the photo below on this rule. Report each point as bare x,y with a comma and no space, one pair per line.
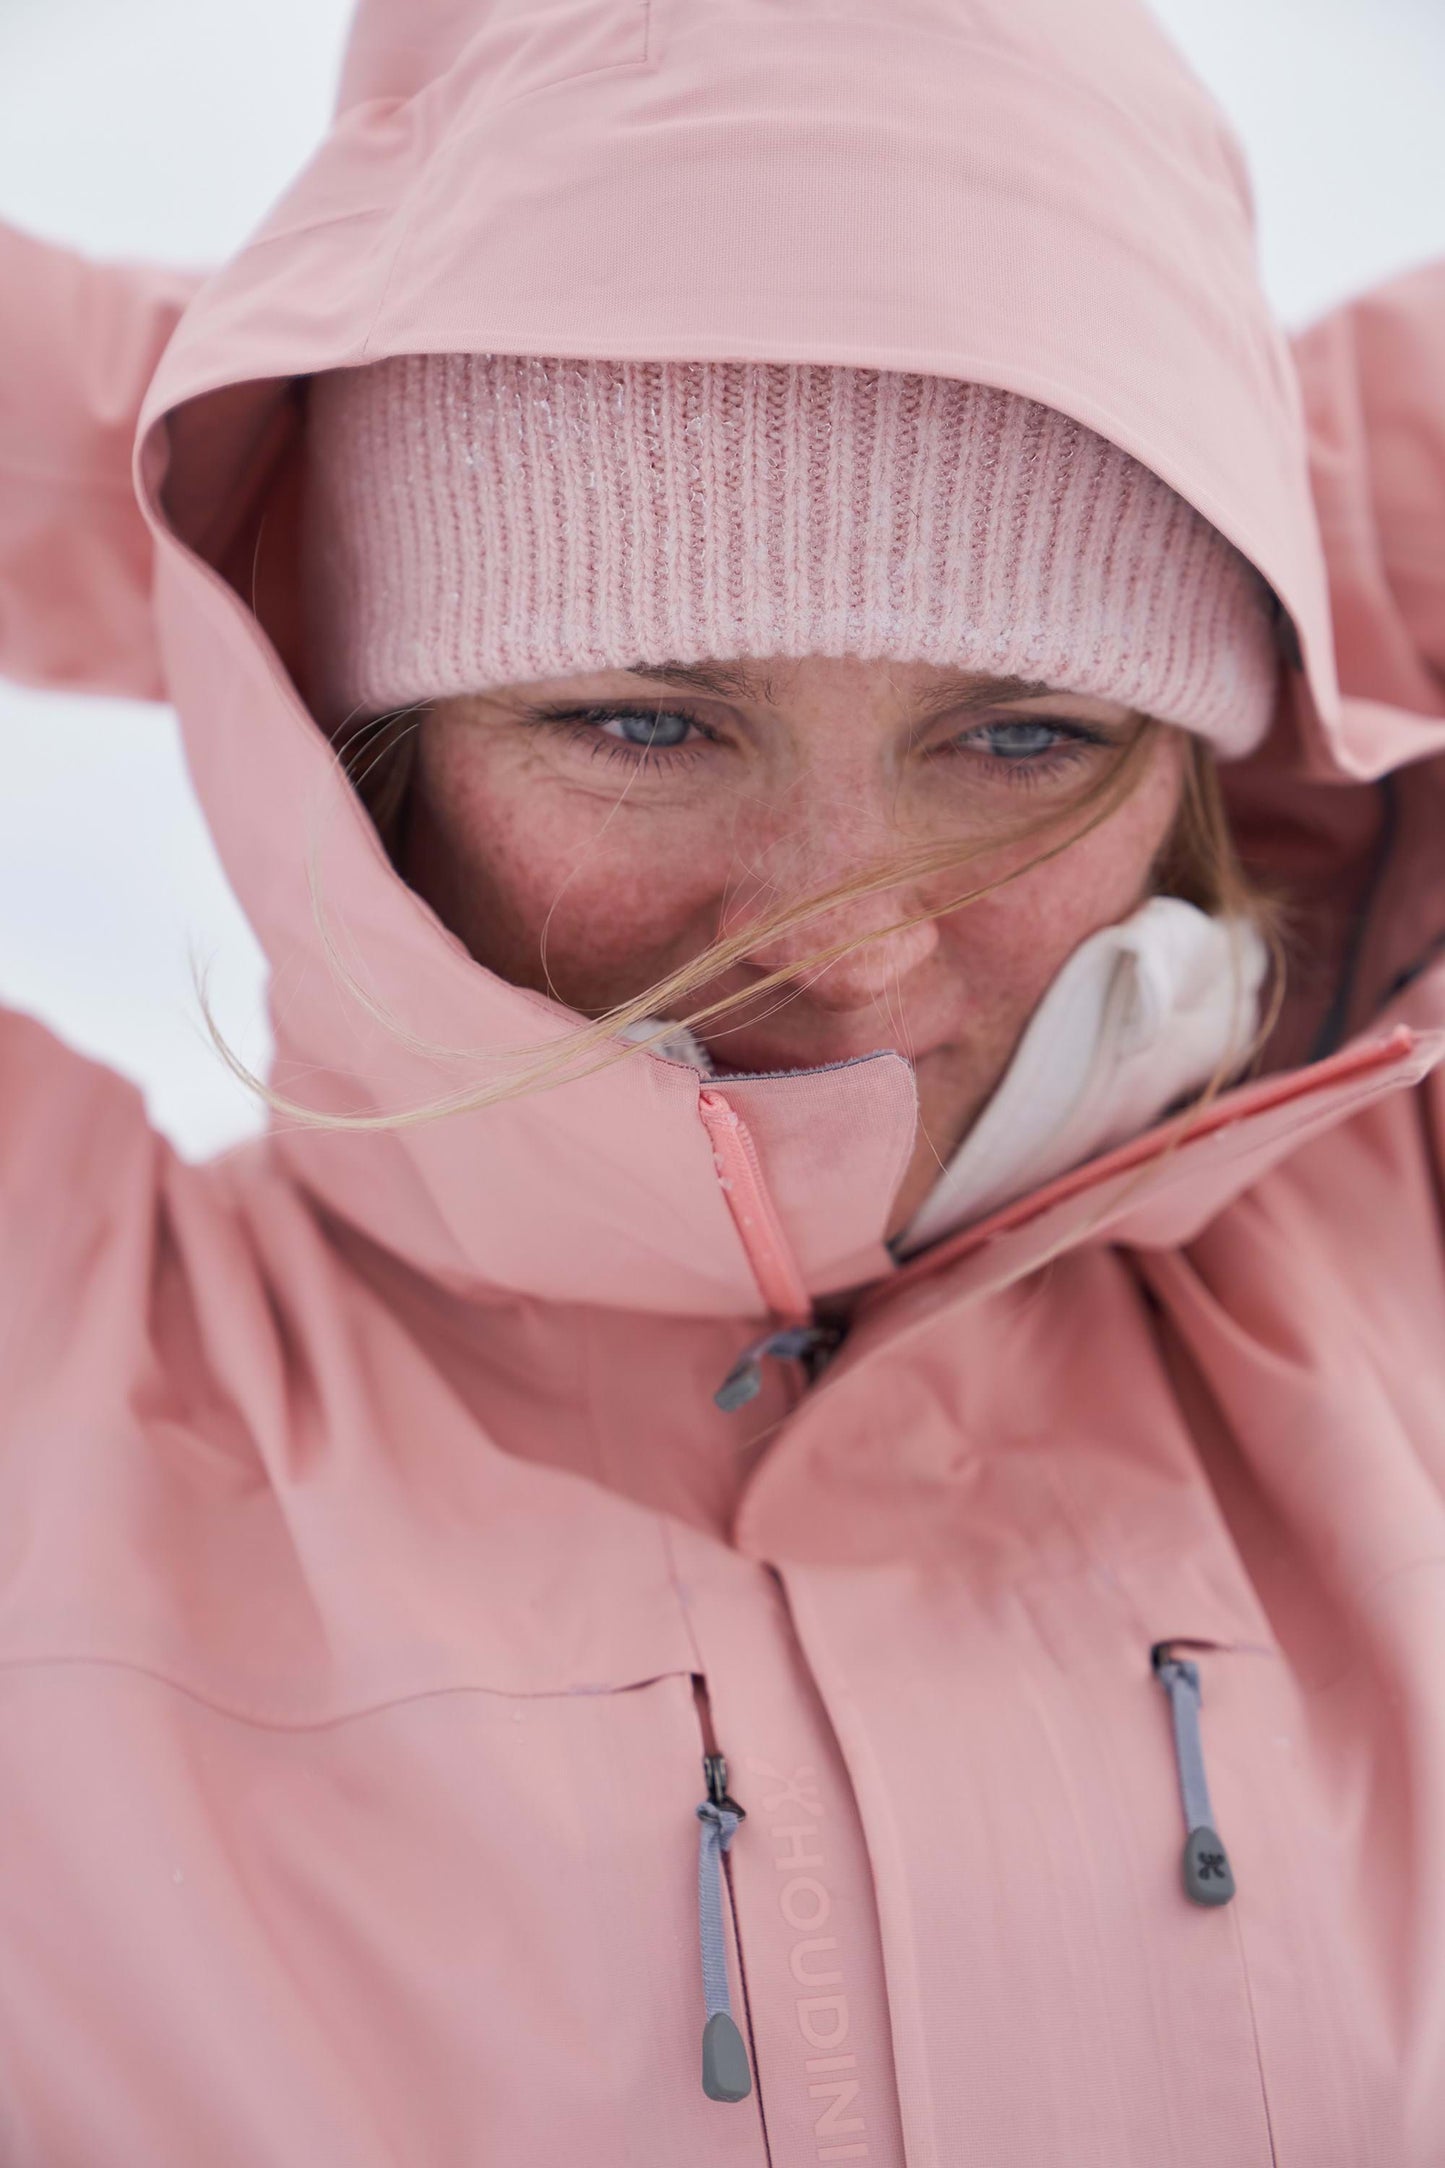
374,1562
476,520
76,559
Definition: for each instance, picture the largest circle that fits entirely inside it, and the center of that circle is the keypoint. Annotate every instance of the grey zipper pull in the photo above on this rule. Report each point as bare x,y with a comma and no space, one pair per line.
806,1344
725,2072
1208,1876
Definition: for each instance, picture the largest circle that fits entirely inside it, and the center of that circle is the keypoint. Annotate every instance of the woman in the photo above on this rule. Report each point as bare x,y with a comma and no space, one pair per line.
793,1513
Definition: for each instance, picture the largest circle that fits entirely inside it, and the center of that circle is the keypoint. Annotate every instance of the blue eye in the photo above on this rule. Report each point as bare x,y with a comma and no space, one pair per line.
653,731
1023,740
642,736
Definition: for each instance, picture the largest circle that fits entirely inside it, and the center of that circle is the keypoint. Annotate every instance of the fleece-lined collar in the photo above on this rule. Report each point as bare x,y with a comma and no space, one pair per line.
1142,1014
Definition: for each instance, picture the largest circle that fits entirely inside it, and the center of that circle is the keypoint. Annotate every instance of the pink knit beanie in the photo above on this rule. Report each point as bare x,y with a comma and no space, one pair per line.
485,519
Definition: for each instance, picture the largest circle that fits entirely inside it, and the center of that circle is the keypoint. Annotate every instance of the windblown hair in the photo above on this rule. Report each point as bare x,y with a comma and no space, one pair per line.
1197,862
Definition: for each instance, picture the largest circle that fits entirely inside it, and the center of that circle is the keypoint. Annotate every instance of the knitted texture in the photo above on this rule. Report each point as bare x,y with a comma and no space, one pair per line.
486,519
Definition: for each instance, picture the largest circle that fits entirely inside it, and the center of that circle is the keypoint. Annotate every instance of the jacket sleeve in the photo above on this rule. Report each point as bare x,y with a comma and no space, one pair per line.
1372,374
79,341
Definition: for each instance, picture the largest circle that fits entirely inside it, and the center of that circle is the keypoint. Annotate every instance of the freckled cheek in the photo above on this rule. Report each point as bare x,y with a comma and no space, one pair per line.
616,928
1008,947
620,895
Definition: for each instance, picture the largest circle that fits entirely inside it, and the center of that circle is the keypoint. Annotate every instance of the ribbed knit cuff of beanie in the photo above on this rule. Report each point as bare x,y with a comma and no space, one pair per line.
485,519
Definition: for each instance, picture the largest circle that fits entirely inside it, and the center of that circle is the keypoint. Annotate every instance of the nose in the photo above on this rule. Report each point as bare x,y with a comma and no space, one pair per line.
868,973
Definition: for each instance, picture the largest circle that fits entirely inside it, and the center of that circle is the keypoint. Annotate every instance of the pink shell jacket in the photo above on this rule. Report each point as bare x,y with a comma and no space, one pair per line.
377,1565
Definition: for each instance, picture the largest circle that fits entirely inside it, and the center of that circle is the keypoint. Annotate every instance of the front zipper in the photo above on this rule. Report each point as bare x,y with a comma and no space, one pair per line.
810,1346
1208,1876
795,1335
726,2074
761,1232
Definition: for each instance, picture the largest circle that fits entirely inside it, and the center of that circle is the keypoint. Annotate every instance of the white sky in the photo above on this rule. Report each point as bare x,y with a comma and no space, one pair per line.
165,127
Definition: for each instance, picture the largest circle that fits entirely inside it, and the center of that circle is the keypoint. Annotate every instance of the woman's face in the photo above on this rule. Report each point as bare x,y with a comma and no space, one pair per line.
587,836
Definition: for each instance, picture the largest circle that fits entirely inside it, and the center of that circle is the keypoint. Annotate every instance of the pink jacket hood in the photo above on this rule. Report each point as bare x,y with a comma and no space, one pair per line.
1035,195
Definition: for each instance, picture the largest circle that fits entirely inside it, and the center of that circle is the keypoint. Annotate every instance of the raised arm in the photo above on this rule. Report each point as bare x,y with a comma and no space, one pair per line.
1373,375
78,343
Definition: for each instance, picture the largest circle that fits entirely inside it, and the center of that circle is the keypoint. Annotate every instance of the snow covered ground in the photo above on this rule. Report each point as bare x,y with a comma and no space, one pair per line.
165,127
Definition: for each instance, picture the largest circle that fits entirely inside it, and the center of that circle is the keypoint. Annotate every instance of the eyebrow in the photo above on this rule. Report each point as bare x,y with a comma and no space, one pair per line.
955,689
706,677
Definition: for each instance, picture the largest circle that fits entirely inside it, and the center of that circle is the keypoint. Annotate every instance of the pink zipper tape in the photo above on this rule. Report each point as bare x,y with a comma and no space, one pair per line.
740,1176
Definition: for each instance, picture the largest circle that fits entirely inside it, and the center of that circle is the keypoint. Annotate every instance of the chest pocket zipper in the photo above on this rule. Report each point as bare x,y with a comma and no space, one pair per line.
1208,1876
726,2074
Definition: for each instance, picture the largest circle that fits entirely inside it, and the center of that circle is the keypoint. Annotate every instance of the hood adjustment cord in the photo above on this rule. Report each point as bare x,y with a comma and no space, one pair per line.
810,1345
1208,1876
725,2072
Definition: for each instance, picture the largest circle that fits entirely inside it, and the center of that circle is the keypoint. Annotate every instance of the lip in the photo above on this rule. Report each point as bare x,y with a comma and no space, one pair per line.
746,1046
